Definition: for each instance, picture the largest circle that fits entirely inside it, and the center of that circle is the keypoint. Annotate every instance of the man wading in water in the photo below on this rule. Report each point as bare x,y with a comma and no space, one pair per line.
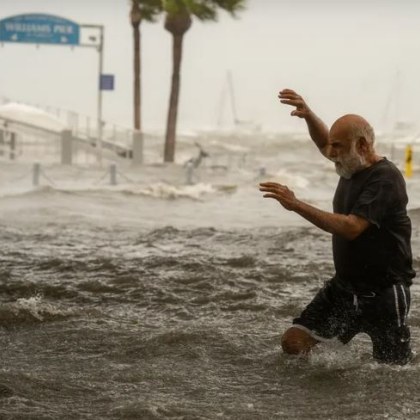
371,234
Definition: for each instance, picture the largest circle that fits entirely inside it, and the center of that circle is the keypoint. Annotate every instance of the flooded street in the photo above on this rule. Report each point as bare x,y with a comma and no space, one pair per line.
154,299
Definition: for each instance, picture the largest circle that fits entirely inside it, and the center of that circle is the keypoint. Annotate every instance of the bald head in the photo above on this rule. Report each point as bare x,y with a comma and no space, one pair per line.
353,127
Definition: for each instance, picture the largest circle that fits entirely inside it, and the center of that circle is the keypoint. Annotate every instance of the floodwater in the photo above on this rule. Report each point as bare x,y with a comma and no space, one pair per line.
154,299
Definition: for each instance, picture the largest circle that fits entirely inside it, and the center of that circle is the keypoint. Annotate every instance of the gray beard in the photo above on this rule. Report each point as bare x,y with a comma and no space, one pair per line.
351,164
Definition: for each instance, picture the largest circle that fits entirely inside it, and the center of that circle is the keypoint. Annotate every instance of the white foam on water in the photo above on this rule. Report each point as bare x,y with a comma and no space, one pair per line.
36,307
333,355
18,190
167,191
155,190
230,147
33,305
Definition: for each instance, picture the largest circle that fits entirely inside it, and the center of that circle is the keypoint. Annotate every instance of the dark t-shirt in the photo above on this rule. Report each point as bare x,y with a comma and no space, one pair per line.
381,255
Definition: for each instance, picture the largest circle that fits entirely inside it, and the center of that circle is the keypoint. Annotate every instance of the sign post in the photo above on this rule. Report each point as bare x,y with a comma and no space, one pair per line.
54,30
100,48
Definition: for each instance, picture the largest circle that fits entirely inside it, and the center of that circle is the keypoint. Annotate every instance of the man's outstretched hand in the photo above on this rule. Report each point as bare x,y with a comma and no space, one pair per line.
280,193
290,97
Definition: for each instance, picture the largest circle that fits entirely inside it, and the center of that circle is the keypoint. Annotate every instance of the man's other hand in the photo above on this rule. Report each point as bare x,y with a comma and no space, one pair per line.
280,193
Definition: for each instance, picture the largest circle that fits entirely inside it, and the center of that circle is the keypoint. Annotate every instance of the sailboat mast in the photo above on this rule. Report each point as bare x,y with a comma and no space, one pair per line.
232,97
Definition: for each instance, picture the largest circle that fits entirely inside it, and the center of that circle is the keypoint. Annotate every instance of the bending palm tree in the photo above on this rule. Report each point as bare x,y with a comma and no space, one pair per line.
177,21
147,10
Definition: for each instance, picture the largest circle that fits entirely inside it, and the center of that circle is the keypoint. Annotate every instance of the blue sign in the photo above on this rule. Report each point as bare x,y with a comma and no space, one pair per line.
39,29
106,82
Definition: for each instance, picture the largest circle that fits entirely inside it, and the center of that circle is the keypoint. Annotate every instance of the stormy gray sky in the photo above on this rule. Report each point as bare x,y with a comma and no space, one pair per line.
343,56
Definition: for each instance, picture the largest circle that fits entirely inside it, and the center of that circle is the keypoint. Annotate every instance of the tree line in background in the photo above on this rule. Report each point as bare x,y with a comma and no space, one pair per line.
179,16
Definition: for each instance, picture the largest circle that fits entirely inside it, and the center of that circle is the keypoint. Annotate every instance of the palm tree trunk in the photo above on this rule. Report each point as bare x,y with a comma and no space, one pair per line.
169,153
137,77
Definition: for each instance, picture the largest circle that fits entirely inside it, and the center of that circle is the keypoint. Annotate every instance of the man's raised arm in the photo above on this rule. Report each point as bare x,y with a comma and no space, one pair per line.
317,129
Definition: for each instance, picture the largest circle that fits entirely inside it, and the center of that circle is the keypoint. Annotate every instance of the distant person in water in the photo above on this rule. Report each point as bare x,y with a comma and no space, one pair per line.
371,233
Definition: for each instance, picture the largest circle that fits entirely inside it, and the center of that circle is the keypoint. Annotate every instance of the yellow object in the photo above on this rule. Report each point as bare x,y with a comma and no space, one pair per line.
408,161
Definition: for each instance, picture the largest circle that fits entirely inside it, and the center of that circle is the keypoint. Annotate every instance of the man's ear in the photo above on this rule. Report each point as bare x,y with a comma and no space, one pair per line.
362,145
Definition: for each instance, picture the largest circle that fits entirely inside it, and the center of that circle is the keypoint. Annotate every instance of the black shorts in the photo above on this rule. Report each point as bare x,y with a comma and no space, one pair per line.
336,313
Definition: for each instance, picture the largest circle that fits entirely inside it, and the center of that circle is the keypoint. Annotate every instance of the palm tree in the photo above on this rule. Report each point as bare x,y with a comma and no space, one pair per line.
178,20
140,10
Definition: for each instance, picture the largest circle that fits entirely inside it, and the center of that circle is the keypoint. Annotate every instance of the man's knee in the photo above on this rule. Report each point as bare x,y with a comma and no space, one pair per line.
297,341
